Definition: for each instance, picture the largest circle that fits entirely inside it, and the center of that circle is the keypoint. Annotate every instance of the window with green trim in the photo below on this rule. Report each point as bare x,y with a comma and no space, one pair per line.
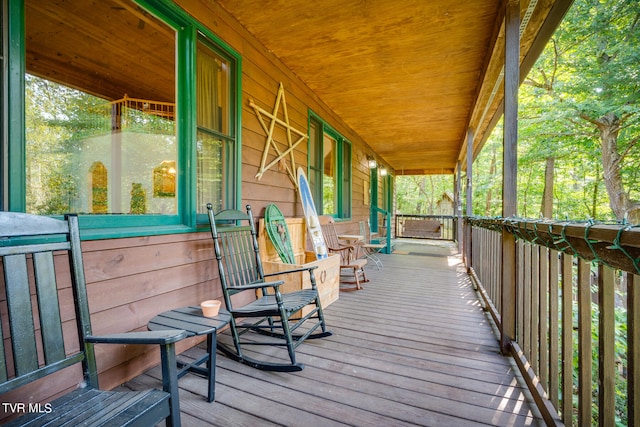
329,169
130,110
214,120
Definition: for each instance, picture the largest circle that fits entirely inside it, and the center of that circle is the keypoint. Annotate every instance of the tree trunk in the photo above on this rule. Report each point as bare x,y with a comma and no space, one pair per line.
432,197
421,183
492,172
609,126
547,195
594,195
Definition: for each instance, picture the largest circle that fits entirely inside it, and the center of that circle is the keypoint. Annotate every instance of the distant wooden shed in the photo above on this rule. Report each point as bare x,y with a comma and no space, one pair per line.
444,205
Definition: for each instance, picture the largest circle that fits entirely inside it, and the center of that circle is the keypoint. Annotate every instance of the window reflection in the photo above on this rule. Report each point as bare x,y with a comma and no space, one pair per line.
329,202
99,101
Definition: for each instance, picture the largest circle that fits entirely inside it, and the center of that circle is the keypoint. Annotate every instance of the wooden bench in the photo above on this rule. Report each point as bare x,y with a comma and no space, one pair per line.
427,228
47,312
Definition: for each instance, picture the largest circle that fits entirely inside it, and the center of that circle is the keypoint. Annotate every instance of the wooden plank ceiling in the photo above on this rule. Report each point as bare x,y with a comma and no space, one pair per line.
409,76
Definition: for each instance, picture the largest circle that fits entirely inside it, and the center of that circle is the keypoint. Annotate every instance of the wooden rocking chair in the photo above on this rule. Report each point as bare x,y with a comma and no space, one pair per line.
349,259
270,313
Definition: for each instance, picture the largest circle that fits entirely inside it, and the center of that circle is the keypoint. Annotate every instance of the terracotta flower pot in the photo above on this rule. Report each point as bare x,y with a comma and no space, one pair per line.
210,308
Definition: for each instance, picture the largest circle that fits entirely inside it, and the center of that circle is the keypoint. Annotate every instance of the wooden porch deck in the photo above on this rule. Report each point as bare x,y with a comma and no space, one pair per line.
413,348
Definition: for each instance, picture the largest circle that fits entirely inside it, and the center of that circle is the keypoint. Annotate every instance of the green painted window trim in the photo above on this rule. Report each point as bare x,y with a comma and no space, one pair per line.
386,182
344,184
117,226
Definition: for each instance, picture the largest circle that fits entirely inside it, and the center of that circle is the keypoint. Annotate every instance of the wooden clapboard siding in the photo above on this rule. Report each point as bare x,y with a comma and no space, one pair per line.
119,274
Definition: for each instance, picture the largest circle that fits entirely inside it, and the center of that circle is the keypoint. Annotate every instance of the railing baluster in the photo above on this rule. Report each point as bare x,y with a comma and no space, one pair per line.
606,347
498,269
527,320
584,343
633,348
496,241
567,340
536,336
488,273
520,301
554,328
543,315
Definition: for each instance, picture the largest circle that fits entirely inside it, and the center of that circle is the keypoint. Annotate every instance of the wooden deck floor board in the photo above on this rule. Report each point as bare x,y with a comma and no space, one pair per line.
406,362
420,332
345,400
436,354
413,348
414,386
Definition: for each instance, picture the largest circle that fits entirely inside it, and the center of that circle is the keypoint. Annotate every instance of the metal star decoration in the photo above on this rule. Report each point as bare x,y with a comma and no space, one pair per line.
270,142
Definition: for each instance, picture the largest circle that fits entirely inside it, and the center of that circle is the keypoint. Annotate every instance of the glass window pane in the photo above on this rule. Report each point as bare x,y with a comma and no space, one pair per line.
329,198
329,169
315,162
209,166
346,180
100,109
212,90
314,144
213,112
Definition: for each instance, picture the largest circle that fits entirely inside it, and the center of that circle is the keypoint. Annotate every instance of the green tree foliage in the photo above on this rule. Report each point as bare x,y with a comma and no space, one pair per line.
487,177
420,194
50,170
579,106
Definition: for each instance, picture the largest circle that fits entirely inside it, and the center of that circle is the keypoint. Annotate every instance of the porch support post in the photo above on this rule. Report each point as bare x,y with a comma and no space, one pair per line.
510,169
458,206
469,210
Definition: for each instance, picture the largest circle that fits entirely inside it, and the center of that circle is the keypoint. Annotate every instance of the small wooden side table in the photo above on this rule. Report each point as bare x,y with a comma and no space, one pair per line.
195,323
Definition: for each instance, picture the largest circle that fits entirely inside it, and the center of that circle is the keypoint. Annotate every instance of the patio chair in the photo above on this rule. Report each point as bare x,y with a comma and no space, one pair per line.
369,249
274,316
349,259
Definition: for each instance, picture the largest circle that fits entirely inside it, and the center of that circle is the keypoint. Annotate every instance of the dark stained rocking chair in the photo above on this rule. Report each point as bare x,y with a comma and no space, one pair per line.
272,315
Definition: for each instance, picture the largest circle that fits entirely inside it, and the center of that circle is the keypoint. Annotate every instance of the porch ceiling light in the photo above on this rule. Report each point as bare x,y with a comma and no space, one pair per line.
372,162
383,171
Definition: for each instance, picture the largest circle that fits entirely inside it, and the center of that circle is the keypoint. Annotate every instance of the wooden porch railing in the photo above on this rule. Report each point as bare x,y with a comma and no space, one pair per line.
577,322
441,227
